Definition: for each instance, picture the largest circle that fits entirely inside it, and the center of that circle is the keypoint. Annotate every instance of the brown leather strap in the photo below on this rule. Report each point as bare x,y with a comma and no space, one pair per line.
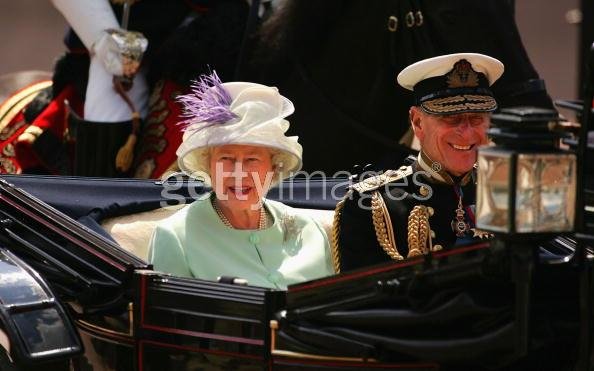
121,90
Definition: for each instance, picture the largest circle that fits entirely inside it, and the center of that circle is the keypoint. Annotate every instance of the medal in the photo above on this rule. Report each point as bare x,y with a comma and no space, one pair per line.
459,225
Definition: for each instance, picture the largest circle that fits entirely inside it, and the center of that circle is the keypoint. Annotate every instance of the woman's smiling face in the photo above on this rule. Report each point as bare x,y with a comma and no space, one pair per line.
240,174
451,140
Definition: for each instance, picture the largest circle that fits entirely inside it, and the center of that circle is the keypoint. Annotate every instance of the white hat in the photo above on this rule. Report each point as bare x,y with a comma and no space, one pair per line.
236,113
453,83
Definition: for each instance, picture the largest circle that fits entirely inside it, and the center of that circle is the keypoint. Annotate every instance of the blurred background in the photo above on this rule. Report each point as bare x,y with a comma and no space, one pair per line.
31,34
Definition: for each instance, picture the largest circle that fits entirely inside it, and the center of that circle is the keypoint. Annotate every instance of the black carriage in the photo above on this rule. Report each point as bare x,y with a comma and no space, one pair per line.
73,298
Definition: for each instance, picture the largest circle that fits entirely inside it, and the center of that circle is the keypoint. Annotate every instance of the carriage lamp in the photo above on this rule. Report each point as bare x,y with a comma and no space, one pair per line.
526,183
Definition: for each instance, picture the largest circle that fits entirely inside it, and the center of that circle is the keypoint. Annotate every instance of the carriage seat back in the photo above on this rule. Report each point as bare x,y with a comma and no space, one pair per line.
133,232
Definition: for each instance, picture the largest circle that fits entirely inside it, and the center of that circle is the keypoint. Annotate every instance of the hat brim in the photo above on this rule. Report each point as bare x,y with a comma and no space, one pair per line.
462,103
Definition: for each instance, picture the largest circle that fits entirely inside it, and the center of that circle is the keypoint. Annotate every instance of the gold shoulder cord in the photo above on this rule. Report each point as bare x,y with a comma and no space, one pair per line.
335,234
418,232
383,226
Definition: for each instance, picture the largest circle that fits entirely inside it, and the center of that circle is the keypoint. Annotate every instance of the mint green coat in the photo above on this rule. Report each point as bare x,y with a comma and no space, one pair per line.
194,242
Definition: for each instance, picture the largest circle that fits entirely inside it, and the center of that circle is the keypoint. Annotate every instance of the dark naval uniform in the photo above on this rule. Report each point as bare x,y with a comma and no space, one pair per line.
404,213
421,208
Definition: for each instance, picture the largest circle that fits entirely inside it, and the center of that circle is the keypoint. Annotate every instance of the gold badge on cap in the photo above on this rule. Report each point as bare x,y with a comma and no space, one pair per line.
462,75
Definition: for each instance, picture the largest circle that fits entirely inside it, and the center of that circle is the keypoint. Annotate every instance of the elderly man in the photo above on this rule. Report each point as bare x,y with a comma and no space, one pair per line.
428,205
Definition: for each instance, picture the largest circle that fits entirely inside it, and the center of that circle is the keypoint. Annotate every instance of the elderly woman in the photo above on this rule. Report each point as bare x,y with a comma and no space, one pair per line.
235,140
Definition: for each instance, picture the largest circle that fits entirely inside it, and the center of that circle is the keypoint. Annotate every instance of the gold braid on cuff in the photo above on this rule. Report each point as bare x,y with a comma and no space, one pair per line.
334,245
382,223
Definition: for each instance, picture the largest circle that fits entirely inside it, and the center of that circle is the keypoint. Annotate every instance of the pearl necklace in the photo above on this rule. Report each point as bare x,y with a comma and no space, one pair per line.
262,223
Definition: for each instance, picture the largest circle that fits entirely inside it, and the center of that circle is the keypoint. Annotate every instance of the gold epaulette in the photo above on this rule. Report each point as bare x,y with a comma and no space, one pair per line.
374,182
382,225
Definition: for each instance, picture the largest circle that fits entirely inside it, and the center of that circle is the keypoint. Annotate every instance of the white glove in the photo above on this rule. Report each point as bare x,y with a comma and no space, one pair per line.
88,18
95,24
103,104
107,50
91,19
120,51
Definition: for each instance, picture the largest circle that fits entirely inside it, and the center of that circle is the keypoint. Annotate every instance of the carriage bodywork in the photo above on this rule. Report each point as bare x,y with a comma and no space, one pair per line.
484,304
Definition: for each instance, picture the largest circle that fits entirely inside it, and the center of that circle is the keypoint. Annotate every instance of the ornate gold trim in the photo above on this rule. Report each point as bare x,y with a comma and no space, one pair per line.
374,182
460,103
30,134
334,245
14,104
481,234
418,231
8,131
382,224
462,75
420,236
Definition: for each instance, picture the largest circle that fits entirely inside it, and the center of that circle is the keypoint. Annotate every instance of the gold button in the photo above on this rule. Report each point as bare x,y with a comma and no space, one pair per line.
430,210
424,191
432,234
437,247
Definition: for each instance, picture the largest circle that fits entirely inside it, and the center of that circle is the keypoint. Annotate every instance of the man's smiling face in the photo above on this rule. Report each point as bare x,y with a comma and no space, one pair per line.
451,140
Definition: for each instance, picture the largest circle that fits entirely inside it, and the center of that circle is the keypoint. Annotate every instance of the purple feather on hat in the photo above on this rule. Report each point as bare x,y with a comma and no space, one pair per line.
207,104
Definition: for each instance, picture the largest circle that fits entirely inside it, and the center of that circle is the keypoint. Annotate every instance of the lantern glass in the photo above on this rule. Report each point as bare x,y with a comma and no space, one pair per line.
545,192
493,190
